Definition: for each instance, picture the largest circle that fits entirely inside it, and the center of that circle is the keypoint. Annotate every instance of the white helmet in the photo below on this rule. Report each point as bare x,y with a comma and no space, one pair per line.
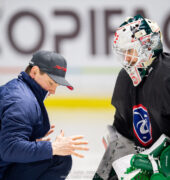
137,41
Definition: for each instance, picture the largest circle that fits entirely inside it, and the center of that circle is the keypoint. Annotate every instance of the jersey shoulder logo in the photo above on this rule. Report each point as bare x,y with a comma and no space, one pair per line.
141,125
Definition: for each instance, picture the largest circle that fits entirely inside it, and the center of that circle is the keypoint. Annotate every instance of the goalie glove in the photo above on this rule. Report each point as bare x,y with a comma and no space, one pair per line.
152,164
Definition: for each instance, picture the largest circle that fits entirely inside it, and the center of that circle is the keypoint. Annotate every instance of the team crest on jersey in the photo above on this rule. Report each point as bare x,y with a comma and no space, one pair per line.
141,125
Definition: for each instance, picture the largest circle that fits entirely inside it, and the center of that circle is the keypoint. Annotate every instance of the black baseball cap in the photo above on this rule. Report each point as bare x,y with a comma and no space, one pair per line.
53,64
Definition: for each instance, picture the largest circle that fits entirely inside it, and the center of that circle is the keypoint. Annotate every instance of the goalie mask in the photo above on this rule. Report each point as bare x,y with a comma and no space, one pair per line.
137,42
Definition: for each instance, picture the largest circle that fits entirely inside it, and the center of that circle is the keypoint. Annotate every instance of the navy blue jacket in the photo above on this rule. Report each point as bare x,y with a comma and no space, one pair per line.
23,119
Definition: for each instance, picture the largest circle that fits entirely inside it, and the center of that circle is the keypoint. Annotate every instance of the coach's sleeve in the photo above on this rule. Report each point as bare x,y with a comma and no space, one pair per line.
16,129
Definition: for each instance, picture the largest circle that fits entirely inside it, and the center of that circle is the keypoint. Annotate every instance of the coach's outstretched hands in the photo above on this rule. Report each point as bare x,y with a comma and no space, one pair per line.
67,145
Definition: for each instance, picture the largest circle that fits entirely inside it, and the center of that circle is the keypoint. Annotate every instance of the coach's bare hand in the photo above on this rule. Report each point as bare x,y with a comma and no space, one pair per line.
67,145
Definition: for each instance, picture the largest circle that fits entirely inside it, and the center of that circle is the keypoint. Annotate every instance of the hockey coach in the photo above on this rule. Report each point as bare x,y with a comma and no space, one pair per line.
24,155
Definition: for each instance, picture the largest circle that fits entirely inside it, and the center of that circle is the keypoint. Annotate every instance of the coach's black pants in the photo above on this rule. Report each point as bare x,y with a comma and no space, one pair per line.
51,169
